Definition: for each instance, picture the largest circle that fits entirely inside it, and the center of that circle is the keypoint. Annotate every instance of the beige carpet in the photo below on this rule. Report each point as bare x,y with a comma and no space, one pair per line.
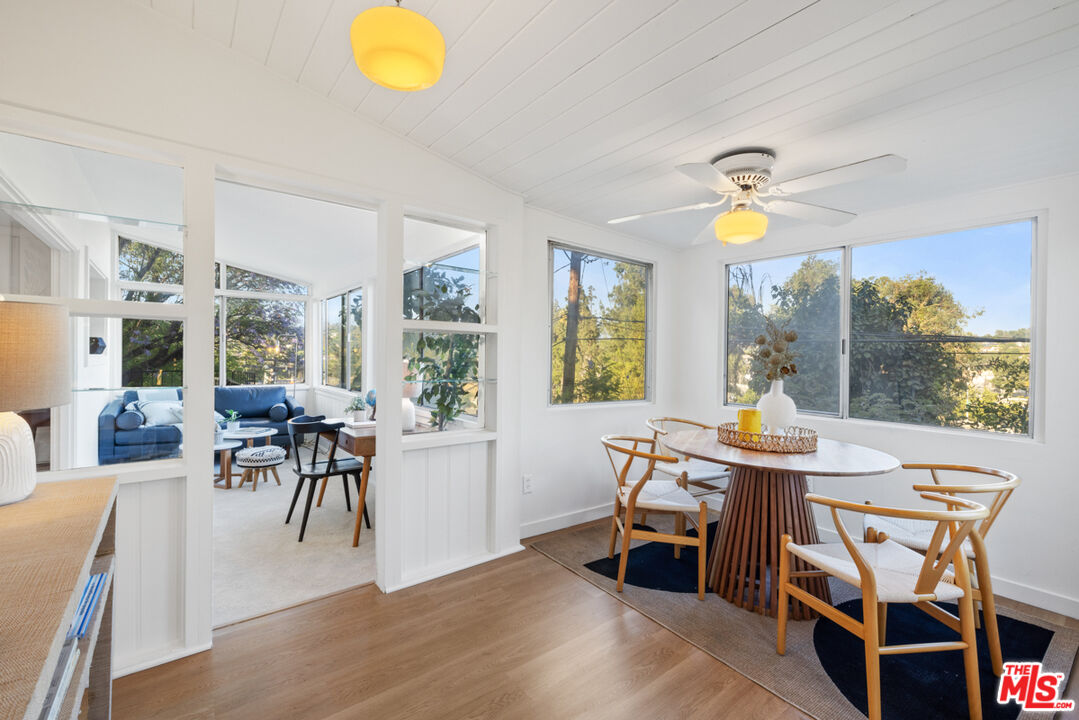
260,567
743,640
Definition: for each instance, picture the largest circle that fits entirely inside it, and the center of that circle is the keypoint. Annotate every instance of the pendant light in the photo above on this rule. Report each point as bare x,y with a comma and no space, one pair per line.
741,225
397,48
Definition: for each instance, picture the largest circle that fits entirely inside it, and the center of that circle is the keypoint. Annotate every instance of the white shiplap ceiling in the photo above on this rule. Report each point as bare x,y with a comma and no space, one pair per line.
586,106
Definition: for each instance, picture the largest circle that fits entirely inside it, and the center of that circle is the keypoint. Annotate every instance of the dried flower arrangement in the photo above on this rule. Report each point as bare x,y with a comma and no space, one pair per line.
773,355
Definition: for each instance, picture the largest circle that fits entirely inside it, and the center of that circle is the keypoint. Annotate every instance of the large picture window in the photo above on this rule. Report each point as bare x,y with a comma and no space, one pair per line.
939,329
599,327
263,341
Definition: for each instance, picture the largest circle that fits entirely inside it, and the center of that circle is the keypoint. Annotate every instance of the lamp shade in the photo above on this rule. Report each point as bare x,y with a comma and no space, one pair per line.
740,226
35,356
398,48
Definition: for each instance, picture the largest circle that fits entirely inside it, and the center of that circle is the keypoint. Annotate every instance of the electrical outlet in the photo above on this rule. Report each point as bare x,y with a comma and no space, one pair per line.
526,484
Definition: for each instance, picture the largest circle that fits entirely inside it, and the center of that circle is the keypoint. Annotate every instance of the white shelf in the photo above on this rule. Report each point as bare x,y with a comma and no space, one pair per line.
87,645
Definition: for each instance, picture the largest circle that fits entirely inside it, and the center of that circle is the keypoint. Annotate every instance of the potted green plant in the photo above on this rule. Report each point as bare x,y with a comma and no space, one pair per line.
356,408
232,420
448,364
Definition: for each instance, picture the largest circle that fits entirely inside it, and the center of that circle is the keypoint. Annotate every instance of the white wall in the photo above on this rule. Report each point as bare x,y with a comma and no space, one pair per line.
1029,542
116,75
572,478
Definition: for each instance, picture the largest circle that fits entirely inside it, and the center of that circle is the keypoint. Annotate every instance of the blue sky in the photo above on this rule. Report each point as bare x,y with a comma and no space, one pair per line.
986,269
599,274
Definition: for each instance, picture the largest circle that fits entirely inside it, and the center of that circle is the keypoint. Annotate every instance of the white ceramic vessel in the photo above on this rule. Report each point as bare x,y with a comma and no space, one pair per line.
777,409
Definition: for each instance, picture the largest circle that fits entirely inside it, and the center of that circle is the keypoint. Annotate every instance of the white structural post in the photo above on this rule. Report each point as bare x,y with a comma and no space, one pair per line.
198,399
389,287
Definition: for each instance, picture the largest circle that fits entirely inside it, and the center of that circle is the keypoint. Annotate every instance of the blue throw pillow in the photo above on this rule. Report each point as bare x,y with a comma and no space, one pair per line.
278,412
129,420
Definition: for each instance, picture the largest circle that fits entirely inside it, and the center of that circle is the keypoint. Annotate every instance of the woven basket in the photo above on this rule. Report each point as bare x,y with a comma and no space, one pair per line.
796,440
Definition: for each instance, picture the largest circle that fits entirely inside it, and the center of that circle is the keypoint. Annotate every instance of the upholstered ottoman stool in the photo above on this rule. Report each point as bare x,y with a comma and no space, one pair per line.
257,460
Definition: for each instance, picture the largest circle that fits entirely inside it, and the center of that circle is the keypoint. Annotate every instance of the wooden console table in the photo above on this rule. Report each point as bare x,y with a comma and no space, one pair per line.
50,545
357,442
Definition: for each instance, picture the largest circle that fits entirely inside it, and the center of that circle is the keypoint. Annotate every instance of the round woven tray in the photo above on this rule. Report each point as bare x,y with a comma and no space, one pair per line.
796,440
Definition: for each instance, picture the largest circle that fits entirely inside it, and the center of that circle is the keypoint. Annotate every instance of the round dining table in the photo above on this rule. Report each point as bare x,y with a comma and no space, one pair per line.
765,500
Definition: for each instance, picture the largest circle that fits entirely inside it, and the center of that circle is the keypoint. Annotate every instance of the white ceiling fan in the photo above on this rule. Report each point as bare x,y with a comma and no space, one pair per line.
743,178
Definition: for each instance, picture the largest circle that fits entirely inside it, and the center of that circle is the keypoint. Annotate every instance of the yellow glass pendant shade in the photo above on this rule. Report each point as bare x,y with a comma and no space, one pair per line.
398,48
740,226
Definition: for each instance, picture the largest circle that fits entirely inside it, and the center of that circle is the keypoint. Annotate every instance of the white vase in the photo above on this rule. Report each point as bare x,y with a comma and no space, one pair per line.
777,409
233,425
408,415
358,416
18,459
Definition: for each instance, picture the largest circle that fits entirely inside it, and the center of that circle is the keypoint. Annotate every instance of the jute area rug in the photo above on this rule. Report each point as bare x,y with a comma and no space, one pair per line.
746,641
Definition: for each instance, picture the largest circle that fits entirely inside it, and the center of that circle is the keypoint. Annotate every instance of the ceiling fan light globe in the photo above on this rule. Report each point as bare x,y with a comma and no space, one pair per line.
397,48
739,227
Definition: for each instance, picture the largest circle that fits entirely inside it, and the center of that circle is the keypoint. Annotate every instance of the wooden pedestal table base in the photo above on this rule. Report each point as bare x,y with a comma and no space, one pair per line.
765,499
760,507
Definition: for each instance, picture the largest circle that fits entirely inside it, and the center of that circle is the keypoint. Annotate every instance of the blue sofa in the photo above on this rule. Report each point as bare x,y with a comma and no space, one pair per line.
253,402
148,442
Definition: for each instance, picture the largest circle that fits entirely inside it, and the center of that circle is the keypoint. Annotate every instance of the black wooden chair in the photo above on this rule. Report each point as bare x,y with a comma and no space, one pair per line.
315,469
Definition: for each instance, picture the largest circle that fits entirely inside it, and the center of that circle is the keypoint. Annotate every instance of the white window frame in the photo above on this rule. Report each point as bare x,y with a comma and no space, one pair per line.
1037,222
346,368
649,325
844,287
224,293
221,292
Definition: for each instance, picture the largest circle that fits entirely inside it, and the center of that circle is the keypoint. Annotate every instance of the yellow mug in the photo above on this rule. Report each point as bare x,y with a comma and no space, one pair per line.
749,420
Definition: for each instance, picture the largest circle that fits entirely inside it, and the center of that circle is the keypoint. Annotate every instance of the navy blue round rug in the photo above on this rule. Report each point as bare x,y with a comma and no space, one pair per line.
923,685
917,686
653,566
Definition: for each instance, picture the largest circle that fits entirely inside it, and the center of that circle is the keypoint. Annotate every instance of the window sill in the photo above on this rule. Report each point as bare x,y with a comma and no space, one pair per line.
424,441
891,427
332,390
607,405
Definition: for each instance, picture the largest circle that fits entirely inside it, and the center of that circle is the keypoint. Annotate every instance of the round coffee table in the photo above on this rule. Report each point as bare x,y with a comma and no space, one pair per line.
765,499
250,433
225,447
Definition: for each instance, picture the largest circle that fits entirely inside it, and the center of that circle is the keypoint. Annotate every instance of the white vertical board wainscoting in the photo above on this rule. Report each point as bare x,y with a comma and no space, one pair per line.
148,621
444,509
330,402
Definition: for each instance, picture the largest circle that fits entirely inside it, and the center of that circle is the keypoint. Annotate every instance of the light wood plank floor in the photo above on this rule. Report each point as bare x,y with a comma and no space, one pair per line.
521,637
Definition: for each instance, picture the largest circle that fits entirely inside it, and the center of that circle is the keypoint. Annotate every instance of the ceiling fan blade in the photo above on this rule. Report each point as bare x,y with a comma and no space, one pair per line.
708,176
704,236
812,213
863,170
680,208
